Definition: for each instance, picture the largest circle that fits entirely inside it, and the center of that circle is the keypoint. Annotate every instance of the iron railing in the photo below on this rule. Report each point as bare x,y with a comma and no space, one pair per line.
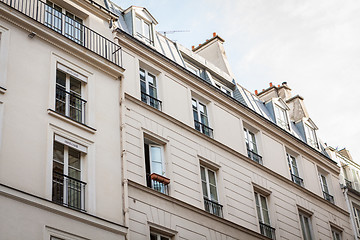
213,207
328,197
204,129
155,103
254,156
69,28
68,191
267,230
298,180
70,105
158,183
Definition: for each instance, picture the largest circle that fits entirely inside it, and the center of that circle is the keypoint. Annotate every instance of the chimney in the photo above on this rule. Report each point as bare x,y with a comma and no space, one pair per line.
214,34
256,92
271,84
284,91
192,47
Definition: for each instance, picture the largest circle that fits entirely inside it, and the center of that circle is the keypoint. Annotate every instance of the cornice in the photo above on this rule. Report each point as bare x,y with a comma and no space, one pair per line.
232,151
207,89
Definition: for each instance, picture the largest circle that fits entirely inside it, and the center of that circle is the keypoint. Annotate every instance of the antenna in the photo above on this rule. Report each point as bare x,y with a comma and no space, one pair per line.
172,31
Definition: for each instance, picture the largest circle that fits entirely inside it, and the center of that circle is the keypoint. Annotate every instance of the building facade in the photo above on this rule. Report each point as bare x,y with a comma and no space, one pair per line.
110,130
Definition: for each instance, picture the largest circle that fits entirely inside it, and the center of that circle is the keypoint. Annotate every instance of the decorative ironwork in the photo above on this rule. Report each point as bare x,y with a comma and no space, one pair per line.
70,105
159,183
204,129
267,230
69,28
68,191
254,156
298,180
328,197
213,207
155,103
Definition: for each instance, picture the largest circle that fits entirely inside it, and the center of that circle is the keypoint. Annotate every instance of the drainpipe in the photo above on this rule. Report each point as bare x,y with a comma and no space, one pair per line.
125,195
350,211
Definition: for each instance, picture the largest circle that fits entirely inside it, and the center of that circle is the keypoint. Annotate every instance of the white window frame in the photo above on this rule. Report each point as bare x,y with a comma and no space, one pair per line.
163,172
311,138
68,75
306,230
248,133
261,218
66,166
195,70
224,89
323,184
147,75
336,234
207,182
292,159
159,235
281,113
199,114
356,211
141,34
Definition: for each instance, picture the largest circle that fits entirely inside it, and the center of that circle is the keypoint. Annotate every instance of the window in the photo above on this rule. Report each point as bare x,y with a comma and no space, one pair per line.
311,136
201,120
211,201
148,85
224,89
294,170
155,169
263,216
356,210
251,146
195,70
306,228
157,236
64,22
67,187
325,188
68,101
143,30
336,234
281,117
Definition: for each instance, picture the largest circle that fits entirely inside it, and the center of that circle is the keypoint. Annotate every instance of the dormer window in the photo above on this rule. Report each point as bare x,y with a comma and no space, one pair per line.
311,136
143,30
224,89
281,117
195,70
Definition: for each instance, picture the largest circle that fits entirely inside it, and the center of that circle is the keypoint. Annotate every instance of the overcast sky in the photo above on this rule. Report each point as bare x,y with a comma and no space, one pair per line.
312,45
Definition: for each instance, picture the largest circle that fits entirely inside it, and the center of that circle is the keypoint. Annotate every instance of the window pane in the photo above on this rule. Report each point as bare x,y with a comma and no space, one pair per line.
74,158
213,193
156,160
211,177
147,31
138,25
164,238
60,78
75,86
58,153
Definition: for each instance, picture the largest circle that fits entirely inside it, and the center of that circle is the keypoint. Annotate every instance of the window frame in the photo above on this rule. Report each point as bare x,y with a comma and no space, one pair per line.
306,230
259,206
160,236
292,159
283,123
146,96
336,234
141,34
223,88
356,212
311,137
249,146
208,131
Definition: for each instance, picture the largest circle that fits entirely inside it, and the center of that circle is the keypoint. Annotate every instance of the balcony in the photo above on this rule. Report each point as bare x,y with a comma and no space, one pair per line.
203,129
213,207
267,230
296,179
149,100
68,191
67,27
70,105
328,197
254,156
159,183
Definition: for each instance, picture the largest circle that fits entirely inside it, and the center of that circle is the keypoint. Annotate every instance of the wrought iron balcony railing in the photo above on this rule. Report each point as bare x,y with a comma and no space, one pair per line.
267,230
70,105
328,197
254,156
69,28
213,207
159,183
68,191
204,129
155,103
298,180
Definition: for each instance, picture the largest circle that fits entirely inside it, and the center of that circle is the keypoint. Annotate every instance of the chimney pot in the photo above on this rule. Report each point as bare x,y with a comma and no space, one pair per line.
270,84
214,34
192,47
199,45
256,92
279,85
263,90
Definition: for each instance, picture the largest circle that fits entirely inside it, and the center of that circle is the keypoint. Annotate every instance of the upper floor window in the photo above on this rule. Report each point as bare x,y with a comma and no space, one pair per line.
195,70
336,234
294,170
356,210
68,100
251,146
143,30
224,89
306,228
149,89
155,167
201,120
210,193
64,22
325,188
67,187
263,216
281,117
311,136
158,236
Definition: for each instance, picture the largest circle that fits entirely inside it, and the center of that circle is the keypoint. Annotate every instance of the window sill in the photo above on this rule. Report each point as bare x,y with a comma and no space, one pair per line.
2,90
71,121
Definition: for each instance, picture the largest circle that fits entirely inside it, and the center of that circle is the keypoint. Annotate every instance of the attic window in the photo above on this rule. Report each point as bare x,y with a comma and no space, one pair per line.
143,30
195,70
281,117
311,136
224,89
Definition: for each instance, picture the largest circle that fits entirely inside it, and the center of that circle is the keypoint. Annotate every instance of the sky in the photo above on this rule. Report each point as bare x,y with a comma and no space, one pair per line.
312,45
